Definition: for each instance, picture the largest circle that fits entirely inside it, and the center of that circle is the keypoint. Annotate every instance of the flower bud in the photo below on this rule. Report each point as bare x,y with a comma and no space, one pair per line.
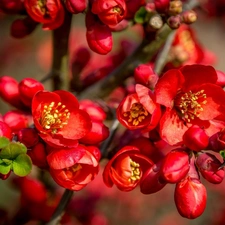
22,27
208,166
162,6
99,36
28,87
132,7
12,6
144,74
174,22
5,176
95,111
155,22
190,198
189,16
110,12
175,166
175,7
16,120
9,91
38,155
195,138
5,130
151,181
76,6
28,136
98,133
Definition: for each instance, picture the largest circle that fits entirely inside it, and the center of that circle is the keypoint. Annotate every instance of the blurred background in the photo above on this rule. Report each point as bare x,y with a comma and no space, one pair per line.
31,57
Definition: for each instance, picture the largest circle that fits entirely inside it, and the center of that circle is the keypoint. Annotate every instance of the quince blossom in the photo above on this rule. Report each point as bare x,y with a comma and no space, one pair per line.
58,118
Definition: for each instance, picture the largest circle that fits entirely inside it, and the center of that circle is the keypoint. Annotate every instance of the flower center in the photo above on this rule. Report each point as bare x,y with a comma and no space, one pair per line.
136,114
54,117
71,171
135,171
190,104
117,9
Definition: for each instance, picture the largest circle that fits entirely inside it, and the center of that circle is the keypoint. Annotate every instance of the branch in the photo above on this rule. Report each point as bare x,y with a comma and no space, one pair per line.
142,54
57,215
60,63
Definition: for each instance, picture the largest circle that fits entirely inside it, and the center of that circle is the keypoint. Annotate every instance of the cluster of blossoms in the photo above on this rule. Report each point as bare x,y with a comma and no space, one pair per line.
65,136
183,119
102,18
174,123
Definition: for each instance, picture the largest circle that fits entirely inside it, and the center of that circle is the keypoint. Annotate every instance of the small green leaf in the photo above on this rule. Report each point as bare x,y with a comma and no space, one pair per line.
7,161
12,150
4,168
4,142
140,15
22,165
222,153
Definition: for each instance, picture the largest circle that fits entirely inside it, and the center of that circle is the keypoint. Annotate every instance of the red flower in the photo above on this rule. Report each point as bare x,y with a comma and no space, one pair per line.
110,12
73,168
139,110
126,168
58,118
49,12
191,97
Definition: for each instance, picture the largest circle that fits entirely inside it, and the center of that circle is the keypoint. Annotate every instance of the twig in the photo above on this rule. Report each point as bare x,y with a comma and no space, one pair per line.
57,215
60,61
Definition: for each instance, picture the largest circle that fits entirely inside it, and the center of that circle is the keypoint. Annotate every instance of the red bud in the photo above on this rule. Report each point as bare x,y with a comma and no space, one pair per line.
175,166
5,130
28,87
76,6
195,138
99,36
98,133
208,166
28,136
190,198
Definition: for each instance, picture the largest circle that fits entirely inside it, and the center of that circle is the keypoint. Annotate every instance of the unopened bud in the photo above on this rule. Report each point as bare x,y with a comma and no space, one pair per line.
209,165
75,6
5,130
28,136
175,8
195,138
144,74
28,87
174,22
175,166
189,17
156,22
161,6
22,27
190,198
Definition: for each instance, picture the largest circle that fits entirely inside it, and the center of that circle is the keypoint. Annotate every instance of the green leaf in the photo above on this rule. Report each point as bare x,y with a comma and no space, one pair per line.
22,165
140,15
4,142
12,150
4,168
222,153
7,161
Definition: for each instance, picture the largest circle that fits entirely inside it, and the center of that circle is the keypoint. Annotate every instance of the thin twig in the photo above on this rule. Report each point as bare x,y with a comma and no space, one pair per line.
57,215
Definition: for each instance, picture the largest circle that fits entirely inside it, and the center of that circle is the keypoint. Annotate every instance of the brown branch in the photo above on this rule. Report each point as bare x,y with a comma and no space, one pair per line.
60,63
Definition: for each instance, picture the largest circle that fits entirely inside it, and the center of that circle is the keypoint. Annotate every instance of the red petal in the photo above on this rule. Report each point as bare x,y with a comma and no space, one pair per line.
167,87
64,158
172,127
196,75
